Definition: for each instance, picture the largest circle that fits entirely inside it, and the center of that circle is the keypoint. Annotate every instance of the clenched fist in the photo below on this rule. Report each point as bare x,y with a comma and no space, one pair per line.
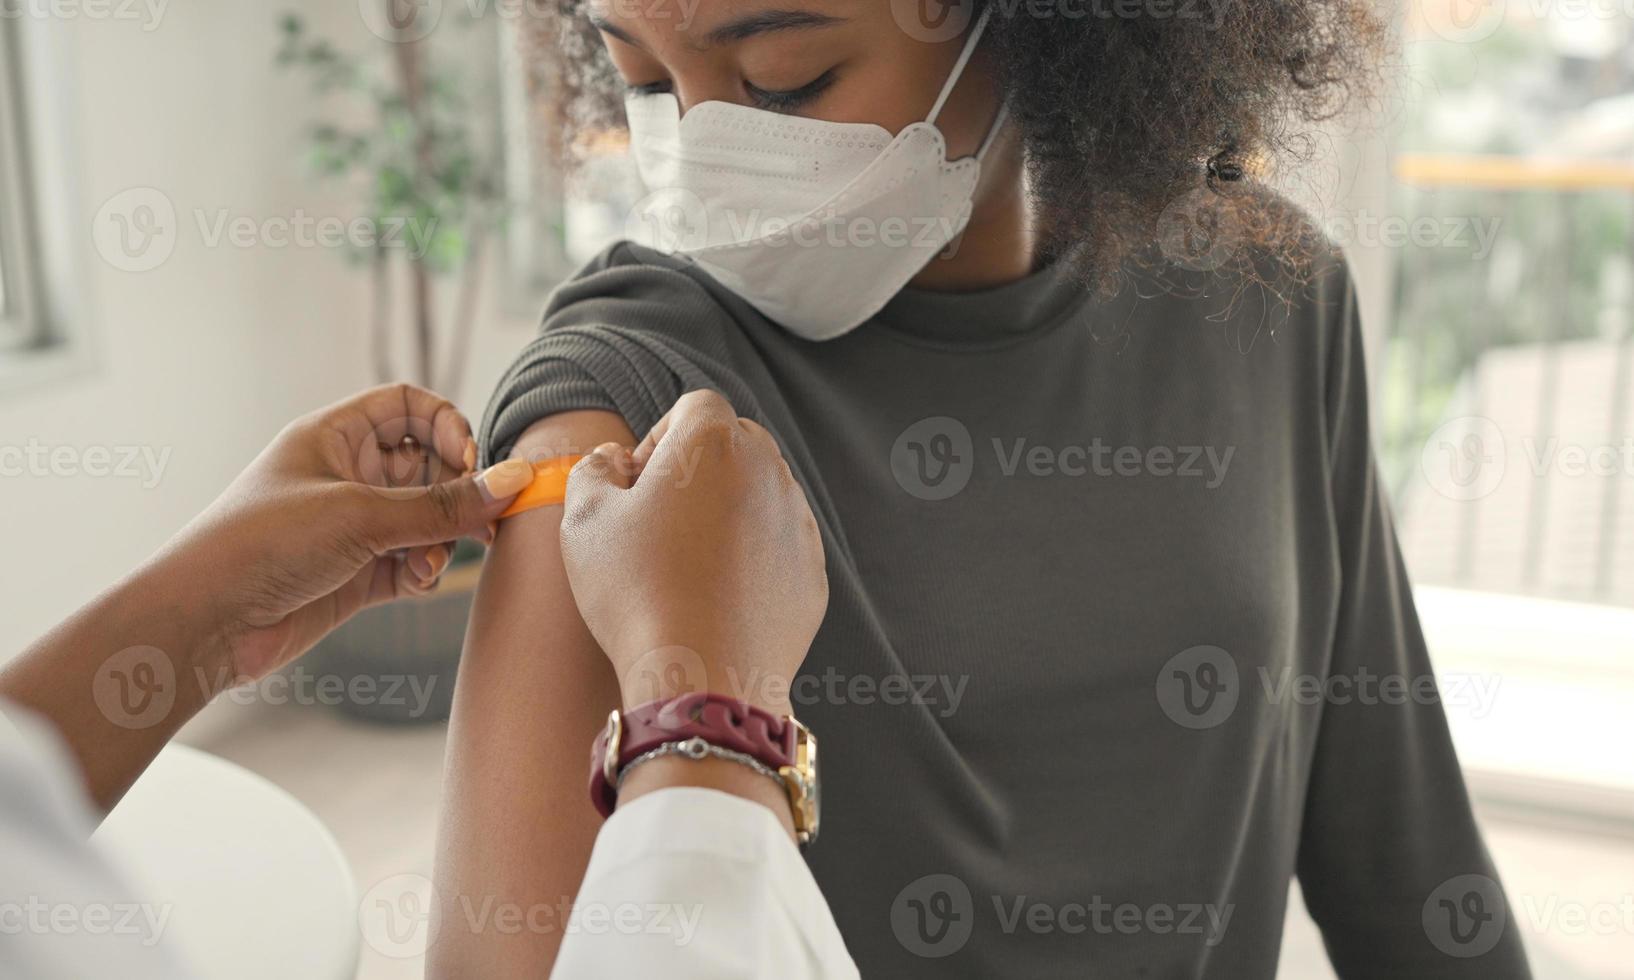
695,560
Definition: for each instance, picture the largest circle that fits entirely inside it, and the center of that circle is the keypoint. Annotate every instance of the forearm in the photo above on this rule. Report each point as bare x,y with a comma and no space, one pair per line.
123,675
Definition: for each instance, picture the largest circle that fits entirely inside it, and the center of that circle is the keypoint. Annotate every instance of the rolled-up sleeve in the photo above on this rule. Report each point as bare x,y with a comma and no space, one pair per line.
622,336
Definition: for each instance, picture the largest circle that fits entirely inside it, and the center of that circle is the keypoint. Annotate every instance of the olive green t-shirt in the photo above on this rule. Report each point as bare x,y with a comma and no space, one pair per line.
1119,640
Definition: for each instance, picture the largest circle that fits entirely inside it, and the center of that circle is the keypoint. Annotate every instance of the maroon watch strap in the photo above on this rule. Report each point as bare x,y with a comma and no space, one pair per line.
722,721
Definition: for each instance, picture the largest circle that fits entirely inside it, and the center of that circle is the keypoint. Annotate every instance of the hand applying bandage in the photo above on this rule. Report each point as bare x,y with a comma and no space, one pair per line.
352,505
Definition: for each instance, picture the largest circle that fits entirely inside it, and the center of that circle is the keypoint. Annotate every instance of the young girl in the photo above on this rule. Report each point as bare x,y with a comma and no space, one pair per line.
1118,640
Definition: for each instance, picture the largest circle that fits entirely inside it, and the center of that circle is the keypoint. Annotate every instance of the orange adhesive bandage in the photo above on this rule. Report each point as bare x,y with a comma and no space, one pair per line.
549,485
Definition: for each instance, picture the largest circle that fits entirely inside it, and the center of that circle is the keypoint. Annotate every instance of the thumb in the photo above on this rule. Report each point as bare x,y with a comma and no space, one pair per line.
605,471
448,510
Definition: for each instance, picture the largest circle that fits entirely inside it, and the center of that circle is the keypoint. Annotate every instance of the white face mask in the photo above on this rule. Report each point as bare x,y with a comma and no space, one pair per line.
816,224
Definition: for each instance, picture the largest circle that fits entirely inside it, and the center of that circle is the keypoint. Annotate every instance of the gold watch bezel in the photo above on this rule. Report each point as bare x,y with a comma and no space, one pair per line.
800,782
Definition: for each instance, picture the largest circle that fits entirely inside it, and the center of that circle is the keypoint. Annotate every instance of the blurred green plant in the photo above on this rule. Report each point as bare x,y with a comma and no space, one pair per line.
433,195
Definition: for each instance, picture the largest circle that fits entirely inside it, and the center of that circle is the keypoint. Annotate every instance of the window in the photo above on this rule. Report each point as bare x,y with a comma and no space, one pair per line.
46,330
1506,387
1508,424
559,222
22,317
1496,266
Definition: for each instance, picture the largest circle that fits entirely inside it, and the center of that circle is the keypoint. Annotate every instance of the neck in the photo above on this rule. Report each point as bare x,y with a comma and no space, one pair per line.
997,245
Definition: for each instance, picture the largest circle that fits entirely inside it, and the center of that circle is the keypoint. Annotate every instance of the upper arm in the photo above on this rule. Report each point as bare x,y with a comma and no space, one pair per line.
517,824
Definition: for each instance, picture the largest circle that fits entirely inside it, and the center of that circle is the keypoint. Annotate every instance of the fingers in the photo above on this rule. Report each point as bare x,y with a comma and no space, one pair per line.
423,566
700,426
404,517
643,452
693,409
758,437
390,459
395,575
402,434
605,471
450,431
611,465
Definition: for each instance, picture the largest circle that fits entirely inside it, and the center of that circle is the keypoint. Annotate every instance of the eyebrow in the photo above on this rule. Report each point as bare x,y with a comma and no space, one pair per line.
764,22
768,21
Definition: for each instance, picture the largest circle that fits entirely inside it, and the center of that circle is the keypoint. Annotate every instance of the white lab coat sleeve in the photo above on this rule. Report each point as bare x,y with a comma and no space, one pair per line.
695,884
64,912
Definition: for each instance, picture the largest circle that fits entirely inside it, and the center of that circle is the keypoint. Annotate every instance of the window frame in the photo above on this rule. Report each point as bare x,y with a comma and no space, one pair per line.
23,318
534,260
41,68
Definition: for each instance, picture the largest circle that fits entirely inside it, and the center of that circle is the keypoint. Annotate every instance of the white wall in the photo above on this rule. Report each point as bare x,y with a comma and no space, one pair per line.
209,354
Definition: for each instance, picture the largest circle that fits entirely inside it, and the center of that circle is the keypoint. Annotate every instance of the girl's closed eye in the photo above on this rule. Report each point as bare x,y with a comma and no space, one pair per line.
790,100
775,100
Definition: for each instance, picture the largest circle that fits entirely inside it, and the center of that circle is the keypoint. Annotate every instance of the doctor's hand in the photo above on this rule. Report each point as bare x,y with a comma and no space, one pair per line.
695,559
350,506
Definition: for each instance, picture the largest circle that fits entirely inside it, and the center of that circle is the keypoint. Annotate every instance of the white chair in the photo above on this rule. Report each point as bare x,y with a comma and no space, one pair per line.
257,886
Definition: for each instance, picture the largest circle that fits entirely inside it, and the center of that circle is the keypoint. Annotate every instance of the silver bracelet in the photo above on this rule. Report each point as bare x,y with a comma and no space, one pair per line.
697,750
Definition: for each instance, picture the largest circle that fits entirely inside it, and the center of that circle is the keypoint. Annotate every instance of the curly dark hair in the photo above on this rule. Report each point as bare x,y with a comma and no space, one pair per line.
1133,114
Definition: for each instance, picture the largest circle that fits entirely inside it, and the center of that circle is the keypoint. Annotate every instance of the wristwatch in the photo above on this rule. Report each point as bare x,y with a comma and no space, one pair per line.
781,744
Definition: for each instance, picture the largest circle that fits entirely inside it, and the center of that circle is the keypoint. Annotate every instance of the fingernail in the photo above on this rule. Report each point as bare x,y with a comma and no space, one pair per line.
505,479
608,447
421,566
438,558
470,454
